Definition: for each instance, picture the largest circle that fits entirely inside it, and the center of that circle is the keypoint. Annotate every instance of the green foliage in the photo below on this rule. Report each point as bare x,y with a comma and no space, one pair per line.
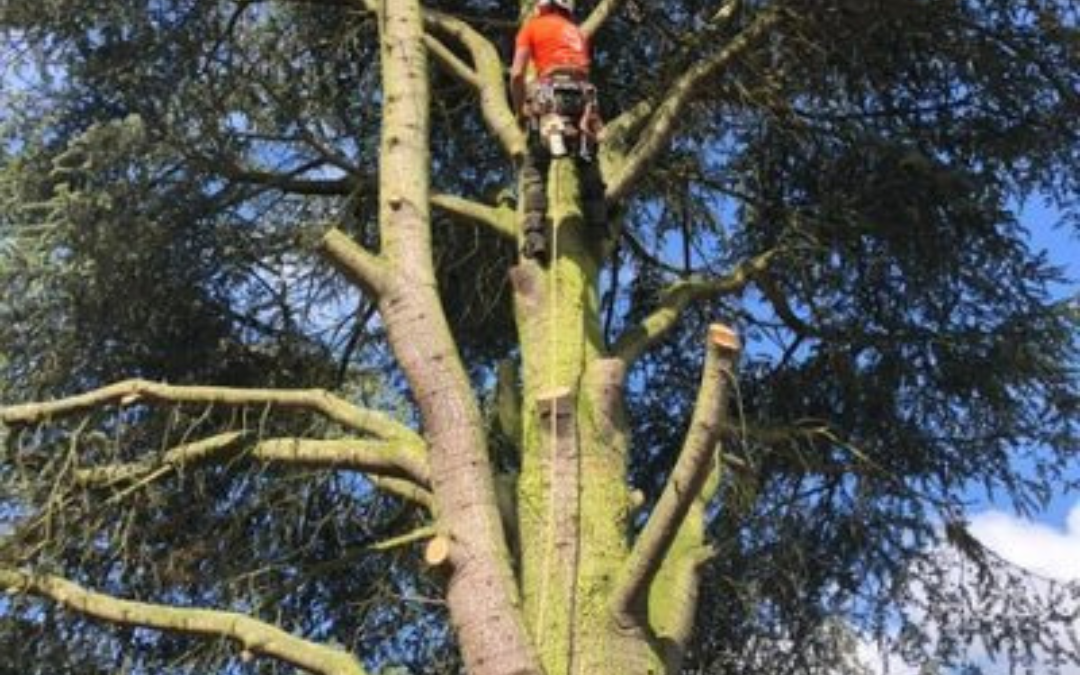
164,166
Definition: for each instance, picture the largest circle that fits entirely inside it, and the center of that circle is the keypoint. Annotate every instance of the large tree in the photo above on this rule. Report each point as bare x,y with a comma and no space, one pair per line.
753,440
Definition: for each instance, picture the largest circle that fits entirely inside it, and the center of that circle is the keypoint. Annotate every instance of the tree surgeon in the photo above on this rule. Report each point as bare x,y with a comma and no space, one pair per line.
560,111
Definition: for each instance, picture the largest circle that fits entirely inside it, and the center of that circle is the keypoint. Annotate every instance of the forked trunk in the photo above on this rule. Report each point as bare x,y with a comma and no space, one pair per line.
573,597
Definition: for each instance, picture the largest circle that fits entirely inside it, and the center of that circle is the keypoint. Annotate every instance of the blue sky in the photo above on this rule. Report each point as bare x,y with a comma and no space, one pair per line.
1062,244
1049,543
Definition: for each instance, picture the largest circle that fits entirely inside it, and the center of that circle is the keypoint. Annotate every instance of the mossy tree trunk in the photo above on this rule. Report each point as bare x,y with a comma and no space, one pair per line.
574,504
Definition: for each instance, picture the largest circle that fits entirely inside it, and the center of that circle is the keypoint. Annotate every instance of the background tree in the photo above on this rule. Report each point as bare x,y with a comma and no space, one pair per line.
837,179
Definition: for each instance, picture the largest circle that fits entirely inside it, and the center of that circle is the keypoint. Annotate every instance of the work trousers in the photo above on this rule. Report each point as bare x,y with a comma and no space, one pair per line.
534,172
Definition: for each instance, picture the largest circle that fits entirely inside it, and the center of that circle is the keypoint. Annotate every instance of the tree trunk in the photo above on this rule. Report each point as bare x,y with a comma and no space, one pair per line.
481,592
573,506
573,502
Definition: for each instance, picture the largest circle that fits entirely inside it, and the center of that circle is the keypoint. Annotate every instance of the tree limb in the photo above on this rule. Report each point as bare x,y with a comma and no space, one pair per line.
394,460
688,477
664,112
500,219
335,3
486,75
728,11
359,265
391,460
783,309
451,62
131,391
253,636
599,16
406,489
673,597
492,634
674,300
289,183
490,81
179,457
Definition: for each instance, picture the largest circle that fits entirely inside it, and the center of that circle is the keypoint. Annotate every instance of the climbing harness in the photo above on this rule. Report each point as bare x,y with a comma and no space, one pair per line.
564,113
563,121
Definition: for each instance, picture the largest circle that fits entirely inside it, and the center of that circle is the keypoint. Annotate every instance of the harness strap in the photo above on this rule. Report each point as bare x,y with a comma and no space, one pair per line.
564,104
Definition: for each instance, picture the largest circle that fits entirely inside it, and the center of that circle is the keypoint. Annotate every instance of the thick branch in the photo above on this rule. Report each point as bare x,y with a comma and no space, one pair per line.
664,112
491,633
392,460
687,480
131,391
599,16
451,62
500,219
486,74
490,83
406,489
395,460
254,637
633,343
359,265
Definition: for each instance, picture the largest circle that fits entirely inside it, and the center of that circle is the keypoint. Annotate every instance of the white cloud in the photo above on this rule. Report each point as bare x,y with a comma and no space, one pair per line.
871,656
1042,548
1038,547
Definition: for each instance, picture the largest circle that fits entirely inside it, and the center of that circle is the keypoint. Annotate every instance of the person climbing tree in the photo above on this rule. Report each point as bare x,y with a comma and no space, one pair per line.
561,114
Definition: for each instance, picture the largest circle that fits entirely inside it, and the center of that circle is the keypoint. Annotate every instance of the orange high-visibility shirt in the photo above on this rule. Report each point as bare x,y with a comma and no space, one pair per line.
554,42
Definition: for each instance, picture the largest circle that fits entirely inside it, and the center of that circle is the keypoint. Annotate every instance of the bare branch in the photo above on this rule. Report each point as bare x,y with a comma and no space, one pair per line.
451,62
299,186
132,391
290,181
253,636
368,4
406,489
499,219
419,534
599,16
783,309
687,480
492,634
179,457
394,460
633,343
486,74
490,81
727,12
359,265
664,112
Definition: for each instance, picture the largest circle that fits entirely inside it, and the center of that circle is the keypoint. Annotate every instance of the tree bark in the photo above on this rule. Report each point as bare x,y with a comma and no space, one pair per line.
482,594
579,594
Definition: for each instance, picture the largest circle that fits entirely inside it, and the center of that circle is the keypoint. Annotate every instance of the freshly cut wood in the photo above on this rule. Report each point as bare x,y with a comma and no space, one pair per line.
724,338
437,551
